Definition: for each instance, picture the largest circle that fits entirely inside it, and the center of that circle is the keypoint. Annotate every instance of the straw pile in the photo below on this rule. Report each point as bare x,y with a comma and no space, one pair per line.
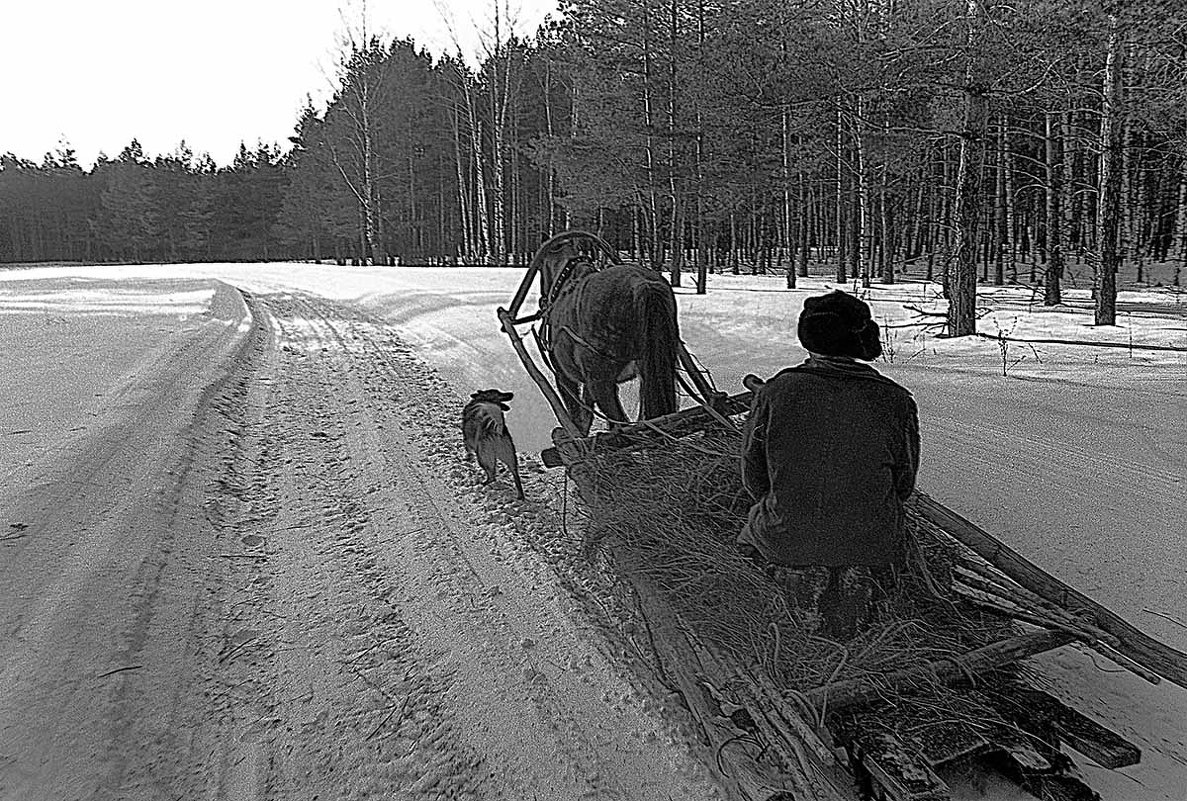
675,510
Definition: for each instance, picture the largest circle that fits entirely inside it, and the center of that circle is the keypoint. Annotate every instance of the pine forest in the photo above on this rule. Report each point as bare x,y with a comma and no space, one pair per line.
963,141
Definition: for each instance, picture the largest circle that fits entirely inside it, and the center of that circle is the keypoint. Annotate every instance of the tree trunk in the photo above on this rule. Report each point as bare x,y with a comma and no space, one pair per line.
1053,241
462,190
734,242
483,232
999,227
962,306
699,211
1011,212
1109,205
1067,183
946,229
888,246
655,248
550,182
676,234
805,205
841,276
369,190
785,174
863,237
500,100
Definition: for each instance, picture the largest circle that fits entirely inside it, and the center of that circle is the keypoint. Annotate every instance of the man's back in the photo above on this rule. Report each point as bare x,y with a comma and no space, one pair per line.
831,451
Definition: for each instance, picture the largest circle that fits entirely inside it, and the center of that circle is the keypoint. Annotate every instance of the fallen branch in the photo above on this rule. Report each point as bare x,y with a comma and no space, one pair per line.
1087,343
925,312
113,671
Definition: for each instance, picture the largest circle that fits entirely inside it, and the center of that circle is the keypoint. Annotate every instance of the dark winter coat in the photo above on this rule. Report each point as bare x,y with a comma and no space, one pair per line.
831,451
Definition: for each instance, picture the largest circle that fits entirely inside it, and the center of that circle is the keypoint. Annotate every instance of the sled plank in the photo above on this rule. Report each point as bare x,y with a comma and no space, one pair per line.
640,435
900,774
949,742
899,769
1148,652
1103,746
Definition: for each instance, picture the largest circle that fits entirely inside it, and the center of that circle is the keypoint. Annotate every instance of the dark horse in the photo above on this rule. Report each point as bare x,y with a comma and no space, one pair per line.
605,326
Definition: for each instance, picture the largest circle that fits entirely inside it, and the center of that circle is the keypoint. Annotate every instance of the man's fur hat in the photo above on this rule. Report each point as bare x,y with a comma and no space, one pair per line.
838,324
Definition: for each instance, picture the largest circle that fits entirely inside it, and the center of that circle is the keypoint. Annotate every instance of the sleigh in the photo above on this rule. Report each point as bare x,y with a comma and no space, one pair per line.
787,715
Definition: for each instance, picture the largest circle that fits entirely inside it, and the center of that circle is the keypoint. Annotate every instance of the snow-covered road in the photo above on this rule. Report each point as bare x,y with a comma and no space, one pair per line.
254,565
1077,457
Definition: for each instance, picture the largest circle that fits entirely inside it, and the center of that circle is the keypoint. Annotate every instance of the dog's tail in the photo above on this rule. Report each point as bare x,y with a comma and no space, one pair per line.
659,336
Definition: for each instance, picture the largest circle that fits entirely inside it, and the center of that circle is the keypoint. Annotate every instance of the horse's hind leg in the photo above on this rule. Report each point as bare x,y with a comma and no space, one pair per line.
605,395
581,415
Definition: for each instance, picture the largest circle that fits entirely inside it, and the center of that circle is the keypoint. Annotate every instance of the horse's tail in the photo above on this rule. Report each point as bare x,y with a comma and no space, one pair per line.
659,337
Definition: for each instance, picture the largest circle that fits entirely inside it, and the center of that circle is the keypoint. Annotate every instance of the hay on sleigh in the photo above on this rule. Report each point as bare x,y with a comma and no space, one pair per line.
675,509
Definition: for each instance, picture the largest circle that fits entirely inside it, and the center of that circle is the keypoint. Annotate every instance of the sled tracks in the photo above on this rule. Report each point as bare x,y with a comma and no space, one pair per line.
381,632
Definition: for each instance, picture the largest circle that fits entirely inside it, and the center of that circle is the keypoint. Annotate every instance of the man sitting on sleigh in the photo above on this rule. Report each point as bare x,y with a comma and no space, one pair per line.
830,455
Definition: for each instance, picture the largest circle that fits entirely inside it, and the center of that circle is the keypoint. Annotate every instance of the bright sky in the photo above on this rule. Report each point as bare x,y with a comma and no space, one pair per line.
100,72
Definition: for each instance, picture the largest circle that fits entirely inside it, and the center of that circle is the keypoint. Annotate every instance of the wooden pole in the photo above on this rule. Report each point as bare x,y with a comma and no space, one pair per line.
1155,656
708,395
1004,588
524,287
550,394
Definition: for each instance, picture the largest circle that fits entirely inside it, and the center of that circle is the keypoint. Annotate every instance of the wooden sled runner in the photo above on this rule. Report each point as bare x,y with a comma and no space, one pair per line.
834,741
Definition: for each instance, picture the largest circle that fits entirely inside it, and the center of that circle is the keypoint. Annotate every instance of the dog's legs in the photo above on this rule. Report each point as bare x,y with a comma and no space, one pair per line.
514,465
489,463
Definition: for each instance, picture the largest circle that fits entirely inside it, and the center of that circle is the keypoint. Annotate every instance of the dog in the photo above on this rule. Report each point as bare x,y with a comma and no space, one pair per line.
484,430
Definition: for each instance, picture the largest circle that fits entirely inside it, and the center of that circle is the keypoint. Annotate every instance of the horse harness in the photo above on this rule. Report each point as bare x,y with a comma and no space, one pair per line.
558,289
562,279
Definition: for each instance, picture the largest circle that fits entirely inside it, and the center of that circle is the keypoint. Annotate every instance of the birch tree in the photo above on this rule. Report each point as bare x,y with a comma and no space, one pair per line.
1109,203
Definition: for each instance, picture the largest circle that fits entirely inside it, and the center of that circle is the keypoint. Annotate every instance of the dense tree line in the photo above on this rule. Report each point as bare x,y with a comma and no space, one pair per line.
174,207
966,139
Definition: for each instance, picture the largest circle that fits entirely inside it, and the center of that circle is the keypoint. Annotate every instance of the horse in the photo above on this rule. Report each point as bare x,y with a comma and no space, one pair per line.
606,326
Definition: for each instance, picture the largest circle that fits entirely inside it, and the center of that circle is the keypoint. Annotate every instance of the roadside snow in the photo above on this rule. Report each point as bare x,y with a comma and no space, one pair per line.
72,347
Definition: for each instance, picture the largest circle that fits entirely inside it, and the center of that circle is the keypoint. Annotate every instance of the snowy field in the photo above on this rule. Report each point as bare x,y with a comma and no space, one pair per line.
1067,441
